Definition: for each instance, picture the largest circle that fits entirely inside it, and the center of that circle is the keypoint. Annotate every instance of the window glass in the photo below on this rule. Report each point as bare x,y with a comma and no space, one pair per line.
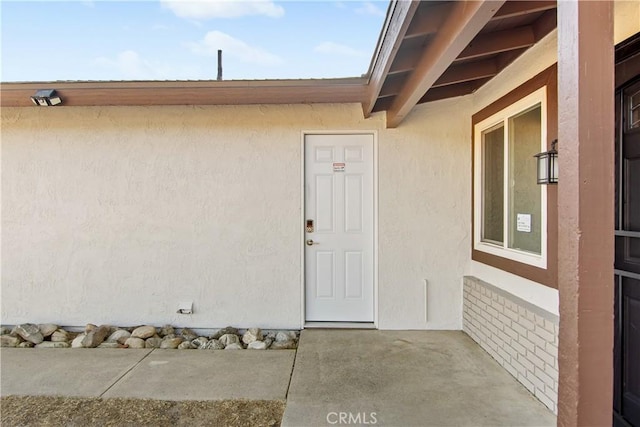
634,107
493,184
524,193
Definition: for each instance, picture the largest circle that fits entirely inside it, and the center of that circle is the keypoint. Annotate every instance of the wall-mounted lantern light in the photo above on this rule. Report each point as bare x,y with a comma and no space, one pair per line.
548,165
46,98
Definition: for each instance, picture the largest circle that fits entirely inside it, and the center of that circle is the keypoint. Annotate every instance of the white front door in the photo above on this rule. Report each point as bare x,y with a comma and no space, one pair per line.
339,228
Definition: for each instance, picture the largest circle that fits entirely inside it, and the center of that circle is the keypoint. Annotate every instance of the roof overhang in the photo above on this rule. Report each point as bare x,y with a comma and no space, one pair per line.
434,50
231,92
428,50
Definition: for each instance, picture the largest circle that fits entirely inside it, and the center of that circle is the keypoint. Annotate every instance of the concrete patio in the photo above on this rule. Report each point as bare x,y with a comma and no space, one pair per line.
394,378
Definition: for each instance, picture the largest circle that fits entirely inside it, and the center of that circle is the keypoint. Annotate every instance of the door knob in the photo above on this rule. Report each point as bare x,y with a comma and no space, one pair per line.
310,242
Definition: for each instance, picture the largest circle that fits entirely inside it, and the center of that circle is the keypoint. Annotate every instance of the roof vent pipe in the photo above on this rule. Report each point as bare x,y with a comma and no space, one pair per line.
219,64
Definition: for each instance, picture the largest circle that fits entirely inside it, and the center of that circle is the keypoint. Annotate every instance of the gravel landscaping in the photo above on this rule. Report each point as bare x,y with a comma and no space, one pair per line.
167,337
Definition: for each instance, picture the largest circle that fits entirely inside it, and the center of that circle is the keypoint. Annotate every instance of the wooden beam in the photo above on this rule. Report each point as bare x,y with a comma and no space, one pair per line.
189,92
408,56
383,104
505,58
545,24
398,23
586,212
518,8
467,72
499,41
451,91
392,85
427,20
464,22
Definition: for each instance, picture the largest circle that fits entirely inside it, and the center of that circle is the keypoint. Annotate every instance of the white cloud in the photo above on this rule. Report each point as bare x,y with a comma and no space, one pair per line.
332,48
233,47
207,9
368,8
131,66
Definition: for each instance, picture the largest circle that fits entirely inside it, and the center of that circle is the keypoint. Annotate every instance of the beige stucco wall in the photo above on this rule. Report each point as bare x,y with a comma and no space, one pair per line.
116,214
626,19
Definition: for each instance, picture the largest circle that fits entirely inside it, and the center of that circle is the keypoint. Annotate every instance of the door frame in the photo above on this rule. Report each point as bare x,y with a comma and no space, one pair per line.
302,234
626,71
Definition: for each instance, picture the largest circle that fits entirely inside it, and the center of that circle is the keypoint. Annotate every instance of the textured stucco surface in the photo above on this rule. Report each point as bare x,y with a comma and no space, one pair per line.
116,214
425,223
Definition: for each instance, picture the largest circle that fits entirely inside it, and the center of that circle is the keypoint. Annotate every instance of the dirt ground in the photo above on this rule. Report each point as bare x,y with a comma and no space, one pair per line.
80,412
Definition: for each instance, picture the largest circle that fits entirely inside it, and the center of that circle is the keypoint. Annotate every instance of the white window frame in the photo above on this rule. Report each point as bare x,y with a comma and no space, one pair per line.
502,117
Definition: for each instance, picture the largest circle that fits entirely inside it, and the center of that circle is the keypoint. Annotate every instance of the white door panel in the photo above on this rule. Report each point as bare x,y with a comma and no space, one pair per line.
339,200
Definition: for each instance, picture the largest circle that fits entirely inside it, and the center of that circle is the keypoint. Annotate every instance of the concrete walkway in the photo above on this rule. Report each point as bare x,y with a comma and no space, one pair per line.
394,378
146,374
404,378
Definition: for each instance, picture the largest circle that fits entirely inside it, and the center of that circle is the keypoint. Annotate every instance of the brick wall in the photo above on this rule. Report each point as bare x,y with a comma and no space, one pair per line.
522,337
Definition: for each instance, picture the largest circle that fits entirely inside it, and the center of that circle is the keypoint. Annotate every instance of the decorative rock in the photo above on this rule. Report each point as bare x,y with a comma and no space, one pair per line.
60,335
47,329
251,335
257,345
214,345
143,332
171,342
9,341
26,344
188,334
225,331
29,332
51,344
77,341
283,345
133,342
153,342
108,344
4,330
90,327
167,330
95,337
233,346
119,336
283,336
200,342
186,345
271,334
228,339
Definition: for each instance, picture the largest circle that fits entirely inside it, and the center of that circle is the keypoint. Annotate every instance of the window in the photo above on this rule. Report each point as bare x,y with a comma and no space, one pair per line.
510,208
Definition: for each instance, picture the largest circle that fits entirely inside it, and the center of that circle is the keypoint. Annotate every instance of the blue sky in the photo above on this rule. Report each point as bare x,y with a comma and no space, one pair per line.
176,40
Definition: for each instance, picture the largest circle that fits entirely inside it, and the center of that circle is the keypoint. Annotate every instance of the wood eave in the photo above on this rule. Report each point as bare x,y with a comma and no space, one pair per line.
448,50
428,50
232,92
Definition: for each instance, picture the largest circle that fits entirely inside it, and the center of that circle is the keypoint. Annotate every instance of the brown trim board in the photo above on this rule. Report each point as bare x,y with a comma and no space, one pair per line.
548,276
